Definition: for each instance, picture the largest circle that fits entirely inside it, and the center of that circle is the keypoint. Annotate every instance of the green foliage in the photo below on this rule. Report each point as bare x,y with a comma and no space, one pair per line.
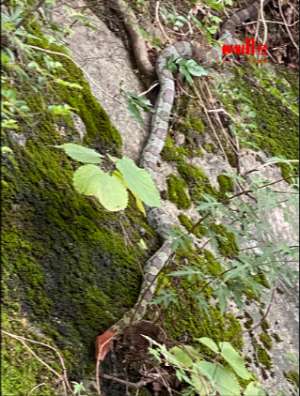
136,104
188,68
81,153
207,377
111,190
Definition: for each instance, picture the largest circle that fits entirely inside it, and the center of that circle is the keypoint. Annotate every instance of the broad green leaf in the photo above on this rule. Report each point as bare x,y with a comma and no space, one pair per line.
85,178
111,193
254,389
182,357
222,379
81,153
201,385
233,358
139,182
90,180
209,343
194,69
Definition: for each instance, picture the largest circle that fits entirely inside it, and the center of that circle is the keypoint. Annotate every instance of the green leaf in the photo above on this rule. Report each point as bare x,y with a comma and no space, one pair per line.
201,385
90,180
222,379
233,358
139,182
81,153
209,343
181,356
194,69
254,389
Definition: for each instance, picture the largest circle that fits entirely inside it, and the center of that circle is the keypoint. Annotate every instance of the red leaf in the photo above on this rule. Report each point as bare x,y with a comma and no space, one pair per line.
103,344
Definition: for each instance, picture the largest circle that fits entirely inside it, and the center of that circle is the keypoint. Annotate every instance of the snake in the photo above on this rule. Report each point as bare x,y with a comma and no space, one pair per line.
150,157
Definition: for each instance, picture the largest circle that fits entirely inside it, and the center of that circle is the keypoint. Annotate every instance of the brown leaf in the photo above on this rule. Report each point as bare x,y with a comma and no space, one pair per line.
103,344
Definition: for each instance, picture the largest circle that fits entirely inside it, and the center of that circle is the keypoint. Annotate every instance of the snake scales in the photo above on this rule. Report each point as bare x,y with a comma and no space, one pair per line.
158,133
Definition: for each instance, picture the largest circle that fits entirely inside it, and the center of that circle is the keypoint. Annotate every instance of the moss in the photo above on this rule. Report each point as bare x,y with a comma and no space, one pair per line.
265,325
266,340
276,337
177,192
197,181
274,113
171,153
196,124
226,241
293,377
262,356
226,184
65,260
209,147
200,230
193,315
21,372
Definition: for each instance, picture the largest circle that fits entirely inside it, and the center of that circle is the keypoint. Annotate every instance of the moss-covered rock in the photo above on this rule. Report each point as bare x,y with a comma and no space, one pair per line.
66,264
198,230
197,181
265,102
177,192
227,244
226,184
293,377
193,315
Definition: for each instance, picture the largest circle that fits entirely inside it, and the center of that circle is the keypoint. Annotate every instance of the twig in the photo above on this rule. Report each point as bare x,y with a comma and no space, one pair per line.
159,23
210,122
286,26
24,339
149,89
267,21
266,313
135,385
36,387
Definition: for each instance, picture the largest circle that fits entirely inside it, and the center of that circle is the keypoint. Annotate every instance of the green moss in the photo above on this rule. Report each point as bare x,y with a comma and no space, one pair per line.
171,153
209,147
276,337
226,240
293,377
177,192
272,101
197,181
265,325
193,314
266,340
65,259
226,184
199,230
21,372
262,356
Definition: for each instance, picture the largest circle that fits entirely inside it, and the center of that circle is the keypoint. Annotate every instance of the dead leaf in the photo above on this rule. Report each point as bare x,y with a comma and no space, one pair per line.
103,344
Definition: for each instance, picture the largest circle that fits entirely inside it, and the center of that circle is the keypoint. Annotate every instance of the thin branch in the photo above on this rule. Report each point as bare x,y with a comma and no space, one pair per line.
135,385
266,313
21,339
286,26
159,23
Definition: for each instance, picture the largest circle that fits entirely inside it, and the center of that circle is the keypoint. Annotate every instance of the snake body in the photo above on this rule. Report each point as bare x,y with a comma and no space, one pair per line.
152,150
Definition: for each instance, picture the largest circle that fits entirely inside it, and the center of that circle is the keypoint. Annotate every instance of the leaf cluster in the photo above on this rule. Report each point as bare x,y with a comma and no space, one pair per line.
111,189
